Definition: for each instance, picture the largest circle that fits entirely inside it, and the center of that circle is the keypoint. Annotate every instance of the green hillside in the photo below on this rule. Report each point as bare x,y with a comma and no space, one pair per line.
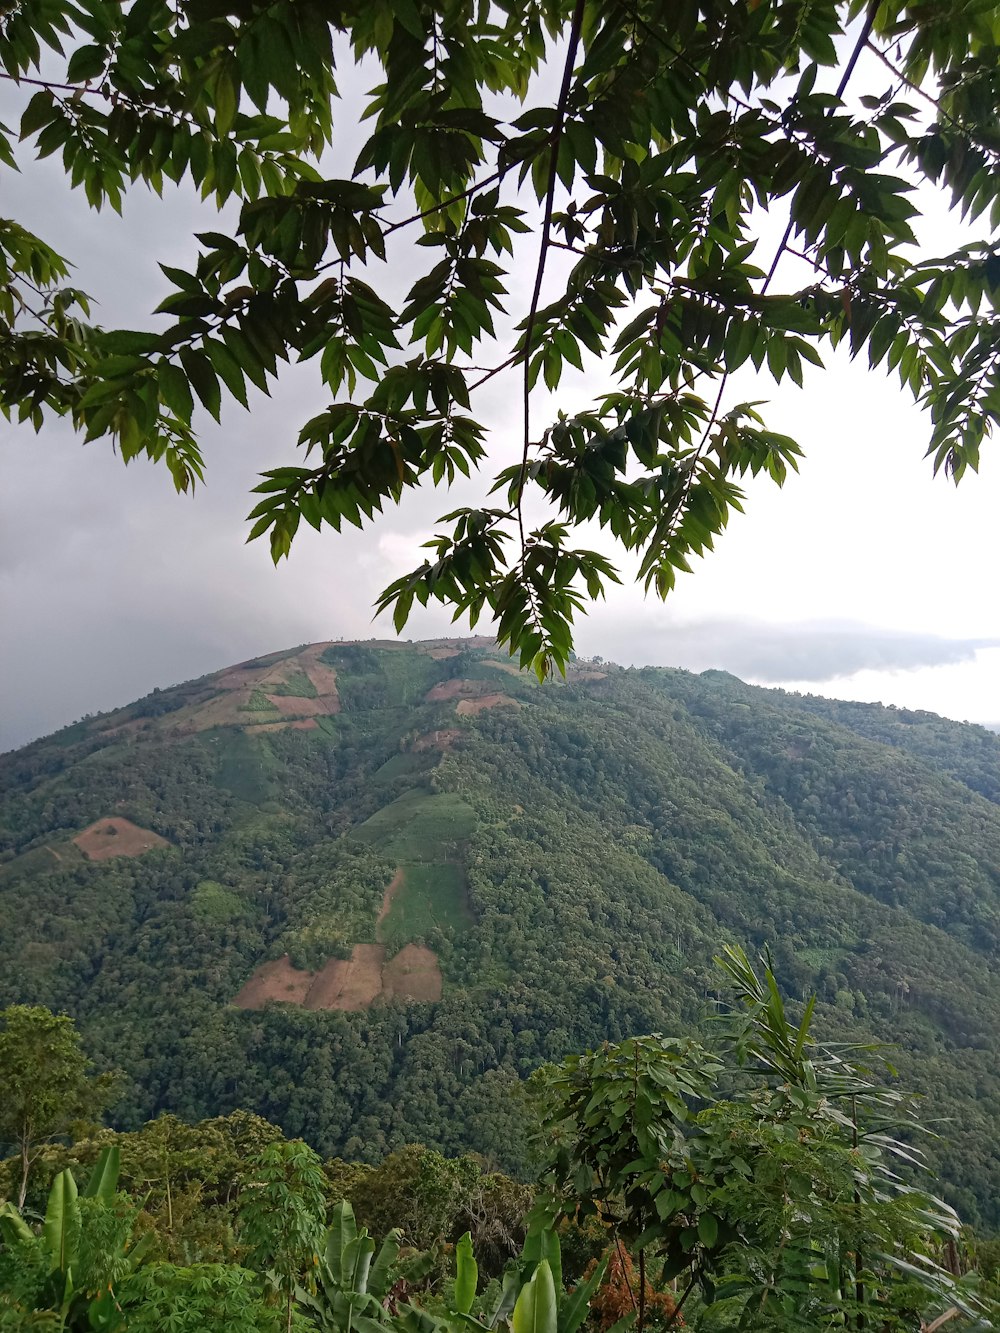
365,889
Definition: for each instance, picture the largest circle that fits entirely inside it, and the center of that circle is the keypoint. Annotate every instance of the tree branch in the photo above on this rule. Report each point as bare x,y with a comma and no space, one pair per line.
550,193
445,203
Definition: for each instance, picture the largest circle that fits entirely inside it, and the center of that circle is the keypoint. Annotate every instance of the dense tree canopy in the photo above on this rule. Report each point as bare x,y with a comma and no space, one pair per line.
47,1082
658,148
573,859
754,1183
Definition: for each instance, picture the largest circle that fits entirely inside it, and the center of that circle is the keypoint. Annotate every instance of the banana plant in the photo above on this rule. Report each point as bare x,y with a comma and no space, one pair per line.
540,1302
352,1282
79,1285
354,1288
532,1299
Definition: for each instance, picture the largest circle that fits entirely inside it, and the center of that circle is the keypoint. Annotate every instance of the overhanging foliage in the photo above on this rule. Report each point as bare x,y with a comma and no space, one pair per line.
652,158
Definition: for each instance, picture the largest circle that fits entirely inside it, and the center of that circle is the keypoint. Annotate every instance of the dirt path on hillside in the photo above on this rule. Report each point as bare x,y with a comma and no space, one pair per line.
391,889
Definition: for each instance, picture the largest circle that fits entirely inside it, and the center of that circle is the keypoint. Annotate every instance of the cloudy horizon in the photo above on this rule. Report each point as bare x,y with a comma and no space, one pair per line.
865,578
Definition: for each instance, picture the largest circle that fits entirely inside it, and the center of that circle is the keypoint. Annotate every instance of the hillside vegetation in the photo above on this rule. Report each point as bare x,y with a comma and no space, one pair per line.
422,875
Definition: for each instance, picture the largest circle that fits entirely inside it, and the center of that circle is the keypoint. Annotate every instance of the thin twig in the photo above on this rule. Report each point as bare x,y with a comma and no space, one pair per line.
550,194
808,259
101,90
675,1313
929,98
845,79
495,371
48,83
624,1267
445,203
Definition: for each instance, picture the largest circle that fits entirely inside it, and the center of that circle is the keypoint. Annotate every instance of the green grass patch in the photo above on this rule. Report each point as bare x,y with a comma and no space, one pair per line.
212,902
298,685
420,826
433,894
258,703
42,861
405,765
378,678
247,766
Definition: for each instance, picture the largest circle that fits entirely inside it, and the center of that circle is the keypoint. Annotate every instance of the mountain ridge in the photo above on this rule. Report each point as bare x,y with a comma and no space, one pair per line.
570,856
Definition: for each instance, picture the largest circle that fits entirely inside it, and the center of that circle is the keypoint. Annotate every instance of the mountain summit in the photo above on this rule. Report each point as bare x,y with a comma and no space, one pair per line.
364,889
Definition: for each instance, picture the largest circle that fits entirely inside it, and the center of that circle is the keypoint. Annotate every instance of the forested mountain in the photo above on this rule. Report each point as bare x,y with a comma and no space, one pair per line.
364,889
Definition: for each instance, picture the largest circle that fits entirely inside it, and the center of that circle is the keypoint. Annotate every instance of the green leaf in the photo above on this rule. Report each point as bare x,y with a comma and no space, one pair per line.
543,1243
382,1274
575,1307
342,1233
535,1310
13,1227
37,113
202,377
104,1178
226,103
466,1275
175,390
86,63
228,369
61,1229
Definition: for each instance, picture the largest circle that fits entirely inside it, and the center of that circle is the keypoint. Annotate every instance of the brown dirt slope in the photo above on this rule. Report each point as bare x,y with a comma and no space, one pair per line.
451,689
465,707
117,837
276,980
413,975
229,693
442,739
348,984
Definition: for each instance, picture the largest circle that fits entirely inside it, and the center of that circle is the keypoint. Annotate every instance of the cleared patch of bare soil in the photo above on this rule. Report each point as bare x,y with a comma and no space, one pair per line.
465,707
443,739
117,837
322,676
276,980
347,984
413,975
453,689
235,686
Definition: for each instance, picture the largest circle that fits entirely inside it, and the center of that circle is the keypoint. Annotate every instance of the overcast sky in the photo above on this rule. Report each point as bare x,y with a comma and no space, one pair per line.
864,578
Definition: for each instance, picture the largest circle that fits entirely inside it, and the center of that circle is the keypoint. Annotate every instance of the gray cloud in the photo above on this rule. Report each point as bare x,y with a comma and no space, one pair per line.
816,651
110,585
